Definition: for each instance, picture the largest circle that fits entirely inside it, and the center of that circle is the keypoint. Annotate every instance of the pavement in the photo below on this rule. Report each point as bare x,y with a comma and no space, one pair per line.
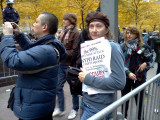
7,114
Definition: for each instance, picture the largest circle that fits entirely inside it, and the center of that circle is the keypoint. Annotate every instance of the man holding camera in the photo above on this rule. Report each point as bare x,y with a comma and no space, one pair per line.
37,63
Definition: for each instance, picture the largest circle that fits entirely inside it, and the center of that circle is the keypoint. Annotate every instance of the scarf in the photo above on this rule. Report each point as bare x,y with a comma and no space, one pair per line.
64,34
132,46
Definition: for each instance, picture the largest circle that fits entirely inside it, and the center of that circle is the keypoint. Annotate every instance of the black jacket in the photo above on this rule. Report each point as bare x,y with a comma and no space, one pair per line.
10,15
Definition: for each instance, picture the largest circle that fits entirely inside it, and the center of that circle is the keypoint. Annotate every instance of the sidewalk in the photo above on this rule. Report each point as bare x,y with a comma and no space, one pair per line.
7,114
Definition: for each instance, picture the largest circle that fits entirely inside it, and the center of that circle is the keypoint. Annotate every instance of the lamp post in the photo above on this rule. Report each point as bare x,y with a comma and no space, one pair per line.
110,8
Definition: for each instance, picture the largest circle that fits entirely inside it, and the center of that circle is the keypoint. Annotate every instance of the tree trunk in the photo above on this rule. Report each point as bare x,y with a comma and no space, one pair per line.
2,9
1,5
82,19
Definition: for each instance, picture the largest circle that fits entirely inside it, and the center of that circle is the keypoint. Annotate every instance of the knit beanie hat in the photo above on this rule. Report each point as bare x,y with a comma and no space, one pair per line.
71,17
97,16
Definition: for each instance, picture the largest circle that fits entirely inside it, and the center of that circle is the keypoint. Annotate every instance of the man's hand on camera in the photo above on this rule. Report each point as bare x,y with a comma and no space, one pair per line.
16,29
7,28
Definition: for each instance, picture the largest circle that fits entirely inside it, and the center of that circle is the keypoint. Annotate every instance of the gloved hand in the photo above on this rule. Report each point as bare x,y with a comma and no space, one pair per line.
7,28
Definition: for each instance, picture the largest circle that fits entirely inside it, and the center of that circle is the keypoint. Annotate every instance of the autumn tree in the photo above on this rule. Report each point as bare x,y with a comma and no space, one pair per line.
84,7
130,12
1,4
134,9
140,13
153,16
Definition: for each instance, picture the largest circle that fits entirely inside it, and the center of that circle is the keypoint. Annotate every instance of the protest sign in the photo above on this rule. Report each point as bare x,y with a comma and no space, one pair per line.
96,56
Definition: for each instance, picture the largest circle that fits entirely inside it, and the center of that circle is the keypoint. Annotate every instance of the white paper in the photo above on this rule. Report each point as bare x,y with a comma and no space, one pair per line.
96,56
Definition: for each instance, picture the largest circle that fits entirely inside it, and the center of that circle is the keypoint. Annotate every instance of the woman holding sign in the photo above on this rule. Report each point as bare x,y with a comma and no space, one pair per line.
138,59
103,66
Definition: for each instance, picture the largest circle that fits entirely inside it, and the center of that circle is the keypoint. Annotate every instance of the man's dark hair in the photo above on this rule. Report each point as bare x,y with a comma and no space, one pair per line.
144,30
51,20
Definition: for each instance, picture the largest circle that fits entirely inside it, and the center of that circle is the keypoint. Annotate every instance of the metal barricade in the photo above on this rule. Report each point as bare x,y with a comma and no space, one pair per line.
7,71
7,75
11,76
150,104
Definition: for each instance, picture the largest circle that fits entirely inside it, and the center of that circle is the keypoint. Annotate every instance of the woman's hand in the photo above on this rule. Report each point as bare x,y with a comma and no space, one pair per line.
132,76
142,67
82,75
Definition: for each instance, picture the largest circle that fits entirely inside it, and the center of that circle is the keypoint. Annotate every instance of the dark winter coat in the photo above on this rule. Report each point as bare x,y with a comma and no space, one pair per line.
157,49
133,61
35,93
10,15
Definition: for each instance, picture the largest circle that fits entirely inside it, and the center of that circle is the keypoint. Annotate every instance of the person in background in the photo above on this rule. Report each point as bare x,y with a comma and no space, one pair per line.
152,37
157,59
145,36
81,39
68,36
31,37
157,51
121,36
9,13
98,26
138,58
35,89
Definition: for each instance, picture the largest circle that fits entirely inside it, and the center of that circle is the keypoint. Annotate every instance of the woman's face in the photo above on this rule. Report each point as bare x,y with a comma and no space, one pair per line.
130,35
66,23
97,29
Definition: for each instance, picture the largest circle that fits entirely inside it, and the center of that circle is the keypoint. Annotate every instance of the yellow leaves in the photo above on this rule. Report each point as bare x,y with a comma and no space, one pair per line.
144,14
82,8
130,12
30,9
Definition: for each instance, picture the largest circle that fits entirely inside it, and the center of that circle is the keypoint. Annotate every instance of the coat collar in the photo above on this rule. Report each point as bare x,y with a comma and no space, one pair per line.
44,40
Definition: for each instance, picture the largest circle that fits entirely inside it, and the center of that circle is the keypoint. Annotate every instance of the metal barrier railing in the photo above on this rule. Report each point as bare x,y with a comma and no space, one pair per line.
150,109
7,75
11,76
7,71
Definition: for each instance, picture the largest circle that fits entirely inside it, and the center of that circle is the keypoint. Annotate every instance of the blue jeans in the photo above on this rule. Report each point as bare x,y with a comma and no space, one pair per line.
48,117
75,101
89,111
60,92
